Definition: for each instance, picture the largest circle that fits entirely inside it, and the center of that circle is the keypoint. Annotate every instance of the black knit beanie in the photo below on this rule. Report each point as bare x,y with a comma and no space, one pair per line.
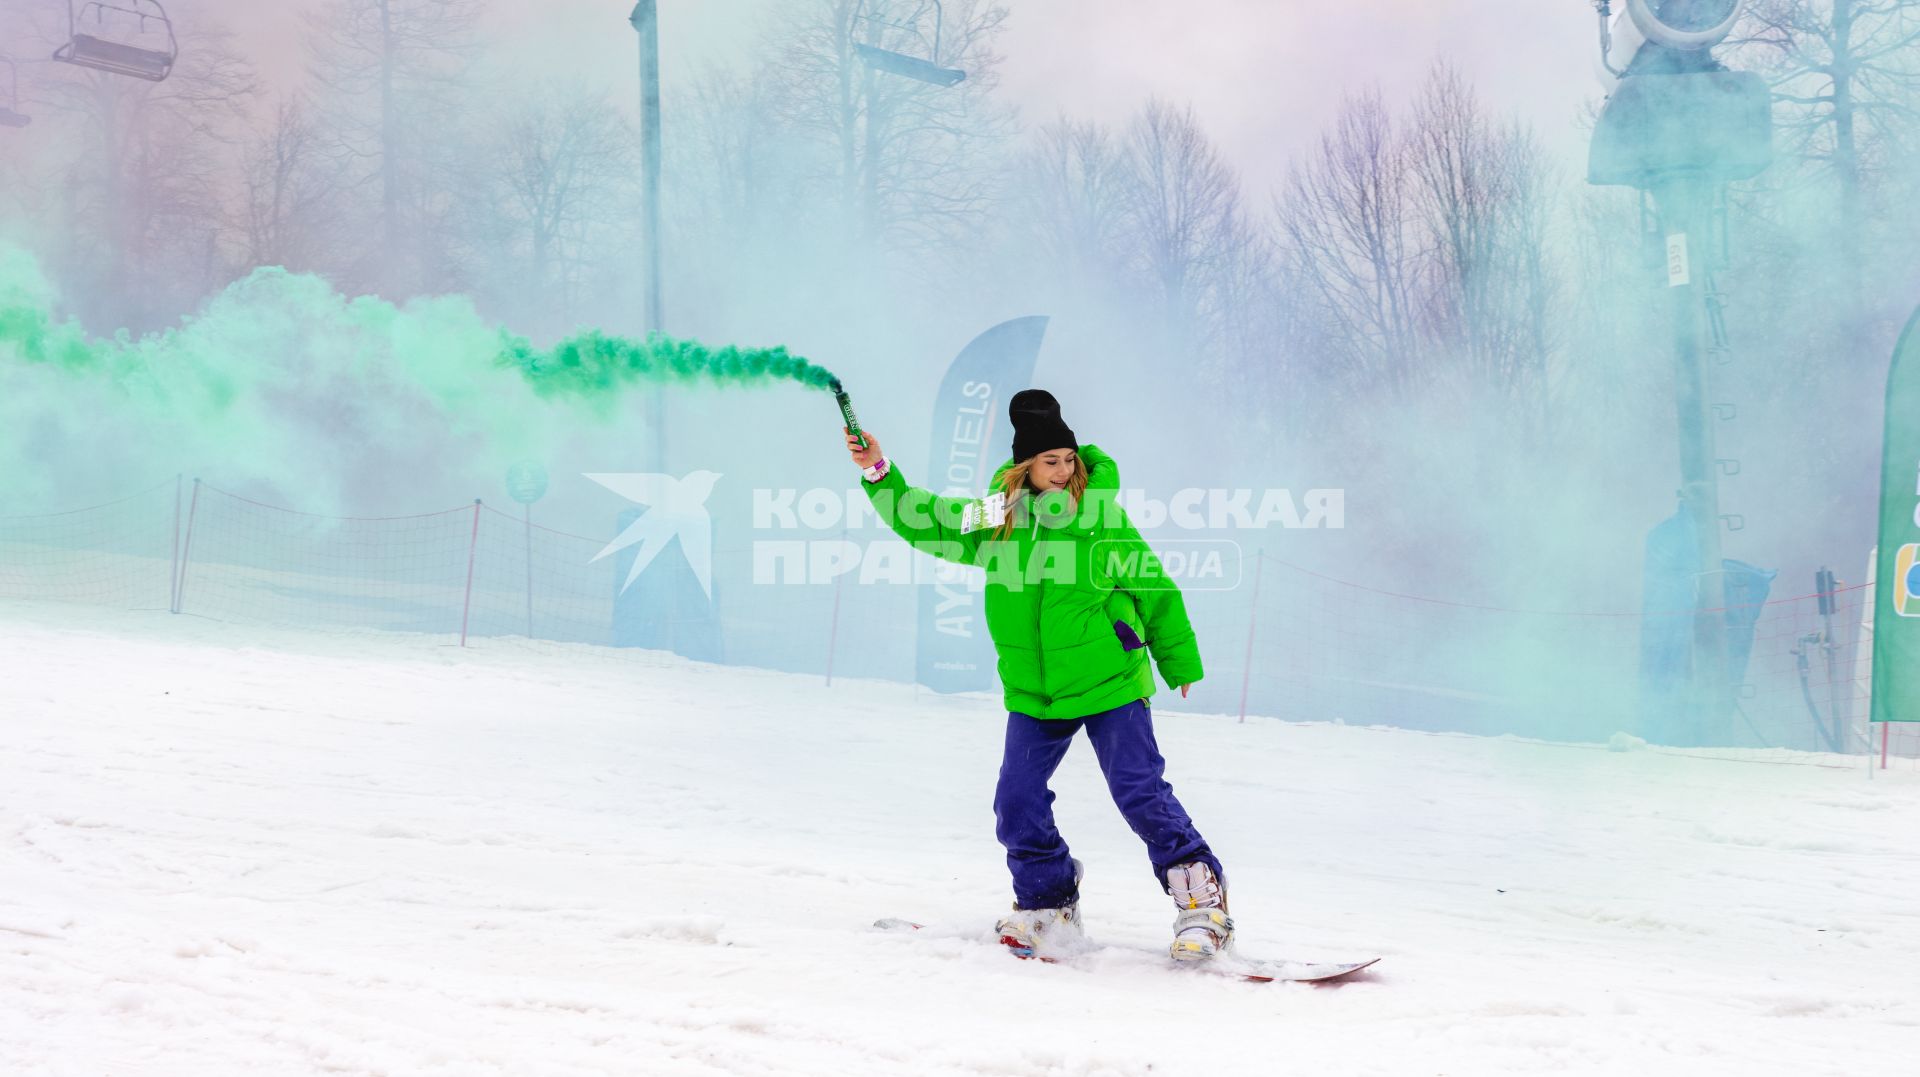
1037,426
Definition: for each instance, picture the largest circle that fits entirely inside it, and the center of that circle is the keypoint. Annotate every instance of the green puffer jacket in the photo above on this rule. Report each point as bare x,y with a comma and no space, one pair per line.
1065,591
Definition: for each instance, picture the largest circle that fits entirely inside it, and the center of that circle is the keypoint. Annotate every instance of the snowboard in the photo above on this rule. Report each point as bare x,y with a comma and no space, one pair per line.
1254,970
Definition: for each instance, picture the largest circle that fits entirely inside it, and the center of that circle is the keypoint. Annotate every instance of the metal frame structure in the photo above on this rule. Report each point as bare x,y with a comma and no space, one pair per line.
919,68
118,57
10,114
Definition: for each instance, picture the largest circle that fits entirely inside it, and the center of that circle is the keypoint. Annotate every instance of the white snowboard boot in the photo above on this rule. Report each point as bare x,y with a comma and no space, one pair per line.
1202,929
1045,933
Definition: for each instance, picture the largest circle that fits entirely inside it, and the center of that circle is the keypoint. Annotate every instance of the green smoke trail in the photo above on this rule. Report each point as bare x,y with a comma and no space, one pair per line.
590,364
593,364
281,378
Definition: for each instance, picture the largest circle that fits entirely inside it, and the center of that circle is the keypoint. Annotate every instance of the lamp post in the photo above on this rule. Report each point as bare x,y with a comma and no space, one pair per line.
645,20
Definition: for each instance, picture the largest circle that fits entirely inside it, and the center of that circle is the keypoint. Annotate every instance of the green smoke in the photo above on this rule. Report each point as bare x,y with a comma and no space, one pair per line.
593,364
590,364
280,378
27,328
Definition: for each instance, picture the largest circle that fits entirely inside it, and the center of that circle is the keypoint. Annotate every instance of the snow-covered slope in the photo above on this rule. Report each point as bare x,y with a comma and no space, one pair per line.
225,850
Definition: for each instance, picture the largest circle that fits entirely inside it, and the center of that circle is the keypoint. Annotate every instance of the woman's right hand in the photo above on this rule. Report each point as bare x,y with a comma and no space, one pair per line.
868,456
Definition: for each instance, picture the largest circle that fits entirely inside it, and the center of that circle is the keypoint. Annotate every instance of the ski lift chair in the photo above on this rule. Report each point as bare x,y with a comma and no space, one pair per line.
10,114
119,54
907,65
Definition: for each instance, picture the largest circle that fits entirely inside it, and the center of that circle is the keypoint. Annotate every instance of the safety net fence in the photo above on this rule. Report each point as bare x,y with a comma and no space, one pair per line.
1287,641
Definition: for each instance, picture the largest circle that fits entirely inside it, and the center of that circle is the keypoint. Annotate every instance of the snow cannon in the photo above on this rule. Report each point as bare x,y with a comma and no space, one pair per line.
846,411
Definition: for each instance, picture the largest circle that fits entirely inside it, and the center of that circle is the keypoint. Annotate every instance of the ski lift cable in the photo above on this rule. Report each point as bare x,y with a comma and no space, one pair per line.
114,56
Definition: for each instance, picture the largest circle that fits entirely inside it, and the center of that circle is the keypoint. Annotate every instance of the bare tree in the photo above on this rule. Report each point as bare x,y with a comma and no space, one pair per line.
1072,194
1186,228
1844,75
1254,336
1346,236
1459,191
291,194
1482,195
389,72
908,165
741,198
562,162
731,164
1537,279
143,188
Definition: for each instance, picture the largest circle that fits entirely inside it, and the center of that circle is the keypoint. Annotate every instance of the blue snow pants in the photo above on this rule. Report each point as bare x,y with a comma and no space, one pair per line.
1023,805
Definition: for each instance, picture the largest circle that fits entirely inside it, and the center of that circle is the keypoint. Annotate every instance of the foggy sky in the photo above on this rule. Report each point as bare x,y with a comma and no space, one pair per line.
1265,75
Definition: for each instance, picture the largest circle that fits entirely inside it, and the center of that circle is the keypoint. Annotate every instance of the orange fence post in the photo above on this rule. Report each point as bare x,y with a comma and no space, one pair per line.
473,545
1253,614
186,551
173,567
833,626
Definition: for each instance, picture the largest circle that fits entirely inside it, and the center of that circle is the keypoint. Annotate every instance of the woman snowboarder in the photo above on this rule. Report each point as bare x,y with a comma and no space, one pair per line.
1075,603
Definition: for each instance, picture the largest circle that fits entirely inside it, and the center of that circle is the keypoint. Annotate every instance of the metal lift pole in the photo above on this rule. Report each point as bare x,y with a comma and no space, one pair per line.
1683,202
646,24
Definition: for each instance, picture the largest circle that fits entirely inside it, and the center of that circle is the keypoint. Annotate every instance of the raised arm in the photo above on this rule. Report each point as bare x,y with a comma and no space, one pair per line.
932,524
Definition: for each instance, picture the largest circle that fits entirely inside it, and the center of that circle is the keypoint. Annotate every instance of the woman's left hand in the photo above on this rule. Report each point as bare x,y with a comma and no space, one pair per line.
1183,690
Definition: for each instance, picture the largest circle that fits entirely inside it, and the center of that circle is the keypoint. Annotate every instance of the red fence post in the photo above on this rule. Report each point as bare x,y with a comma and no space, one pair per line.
173,567
833,627
1253,613
186,551
473,544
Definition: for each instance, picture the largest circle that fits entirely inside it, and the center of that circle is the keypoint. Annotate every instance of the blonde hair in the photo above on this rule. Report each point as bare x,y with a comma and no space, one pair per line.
1014,485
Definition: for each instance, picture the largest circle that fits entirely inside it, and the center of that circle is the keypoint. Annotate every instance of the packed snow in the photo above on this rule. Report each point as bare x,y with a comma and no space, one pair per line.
234,850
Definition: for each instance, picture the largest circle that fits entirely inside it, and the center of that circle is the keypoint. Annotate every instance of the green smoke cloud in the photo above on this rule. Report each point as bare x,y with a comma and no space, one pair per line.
591,364
27,328
282,379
